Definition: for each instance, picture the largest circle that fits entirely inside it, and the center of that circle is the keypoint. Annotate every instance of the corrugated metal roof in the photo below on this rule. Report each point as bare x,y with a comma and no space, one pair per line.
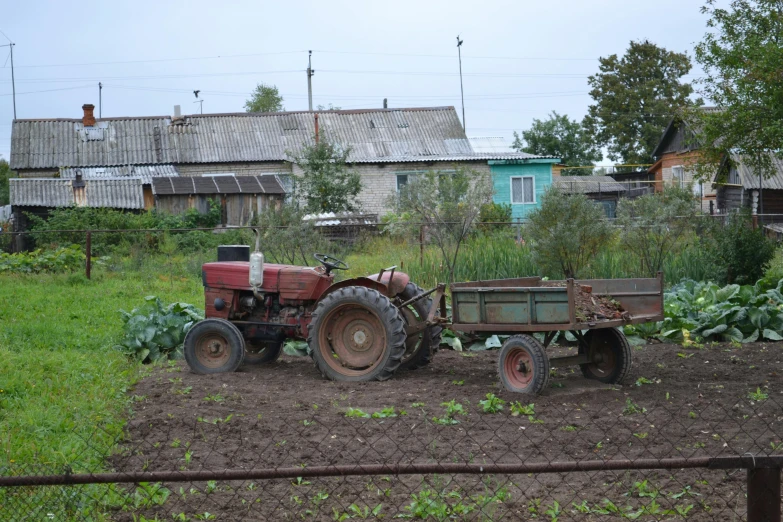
113,193
588,184
268,184
750,178
98,193
374,135
145,172
489,144
32,192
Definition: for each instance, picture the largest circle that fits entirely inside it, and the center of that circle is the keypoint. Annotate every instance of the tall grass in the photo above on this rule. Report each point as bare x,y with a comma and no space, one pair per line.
498,255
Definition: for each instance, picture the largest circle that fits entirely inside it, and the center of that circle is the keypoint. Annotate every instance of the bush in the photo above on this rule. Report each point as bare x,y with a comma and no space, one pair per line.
567,232
741,253
44,231
654,225
59,260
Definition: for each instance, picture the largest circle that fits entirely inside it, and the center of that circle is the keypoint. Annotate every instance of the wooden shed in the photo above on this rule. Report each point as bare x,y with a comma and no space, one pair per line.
241,197
739,186
602,189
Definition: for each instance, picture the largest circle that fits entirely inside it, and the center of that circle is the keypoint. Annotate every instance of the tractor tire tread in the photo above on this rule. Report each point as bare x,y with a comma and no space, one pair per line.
431,336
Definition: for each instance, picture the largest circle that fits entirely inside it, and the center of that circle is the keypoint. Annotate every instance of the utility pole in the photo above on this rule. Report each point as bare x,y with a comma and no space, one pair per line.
13,82
462,93
100,100
310,73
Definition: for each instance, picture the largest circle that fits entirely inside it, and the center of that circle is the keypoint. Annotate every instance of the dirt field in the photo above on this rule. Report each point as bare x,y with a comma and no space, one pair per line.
677,402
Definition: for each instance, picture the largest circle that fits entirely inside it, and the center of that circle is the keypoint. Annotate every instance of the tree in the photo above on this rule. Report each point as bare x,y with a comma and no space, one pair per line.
635,97
567,231
739,252
265,98
742,58
5,174
326,183
288,238
653,225
560,137
449,205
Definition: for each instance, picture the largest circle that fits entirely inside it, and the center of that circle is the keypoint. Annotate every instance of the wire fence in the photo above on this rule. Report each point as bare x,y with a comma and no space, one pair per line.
691,435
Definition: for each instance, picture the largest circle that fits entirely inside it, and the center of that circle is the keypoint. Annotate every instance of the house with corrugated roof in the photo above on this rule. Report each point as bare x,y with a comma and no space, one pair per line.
601,189
387,146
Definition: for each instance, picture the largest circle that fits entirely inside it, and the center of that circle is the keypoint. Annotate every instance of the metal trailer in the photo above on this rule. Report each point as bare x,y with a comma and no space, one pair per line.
522,306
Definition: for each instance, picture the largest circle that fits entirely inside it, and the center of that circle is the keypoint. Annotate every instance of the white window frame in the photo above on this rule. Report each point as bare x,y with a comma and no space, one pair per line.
682,174
511,190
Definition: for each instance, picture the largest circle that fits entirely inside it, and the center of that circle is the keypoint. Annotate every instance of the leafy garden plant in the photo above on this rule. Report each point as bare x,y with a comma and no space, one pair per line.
155,331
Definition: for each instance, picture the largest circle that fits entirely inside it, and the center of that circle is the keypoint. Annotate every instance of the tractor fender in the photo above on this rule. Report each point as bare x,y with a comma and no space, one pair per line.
398,284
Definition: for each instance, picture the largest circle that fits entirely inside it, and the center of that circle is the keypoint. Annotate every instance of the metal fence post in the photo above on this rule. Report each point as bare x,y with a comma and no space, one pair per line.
88,249
764,495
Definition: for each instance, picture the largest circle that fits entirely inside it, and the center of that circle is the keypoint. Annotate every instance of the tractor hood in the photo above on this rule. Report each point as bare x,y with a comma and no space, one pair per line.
297,283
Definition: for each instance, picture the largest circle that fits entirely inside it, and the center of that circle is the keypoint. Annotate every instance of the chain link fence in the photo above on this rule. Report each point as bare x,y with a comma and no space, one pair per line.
444,442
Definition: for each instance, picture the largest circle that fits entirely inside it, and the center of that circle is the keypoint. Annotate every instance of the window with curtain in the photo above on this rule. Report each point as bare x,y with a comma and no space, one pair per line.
523,189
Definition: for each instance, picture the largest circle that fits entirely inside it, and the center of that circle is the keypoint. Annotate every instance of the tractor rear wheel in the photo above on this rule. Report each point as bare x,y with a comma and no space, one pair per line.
262,352
420,347
356,335
214,346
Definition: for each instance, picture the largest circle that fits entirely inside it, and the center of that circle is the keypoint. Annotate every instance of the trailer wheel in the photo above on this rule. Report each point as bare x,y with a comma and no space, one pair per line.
262,352
356,335
214,346
420,347
611,353
523,366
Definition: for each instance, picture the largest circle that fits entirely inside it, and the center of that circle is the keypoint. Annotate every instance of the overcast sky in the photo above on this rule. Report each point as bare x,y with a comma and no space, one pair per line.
520,59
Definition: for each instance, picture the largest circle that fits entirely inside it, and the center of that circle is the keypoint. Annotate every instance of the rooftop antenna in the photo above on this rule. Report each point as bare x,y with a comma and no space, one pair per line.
199,101
462,93
11,44
100,100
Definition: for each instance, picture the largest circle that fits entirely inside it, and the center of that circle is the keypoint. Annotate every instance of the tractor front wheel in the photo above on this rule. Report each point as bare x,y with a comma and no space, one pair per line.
356,335
214,346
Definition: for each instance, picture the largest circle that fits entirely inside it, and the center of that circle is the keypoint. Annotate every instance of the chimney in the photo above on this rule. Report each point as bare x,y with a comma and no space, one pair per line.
385,103
177,111
89,118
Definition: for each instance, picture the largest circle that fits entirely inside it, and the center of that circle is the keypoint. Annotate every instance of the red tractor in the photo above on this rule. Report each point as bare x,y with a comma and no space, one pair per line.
358,329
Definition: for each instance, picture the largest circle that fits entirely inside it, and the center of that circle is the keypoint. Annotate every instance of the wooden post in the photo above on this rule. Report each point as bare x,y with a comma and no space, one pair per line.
88,250
764,495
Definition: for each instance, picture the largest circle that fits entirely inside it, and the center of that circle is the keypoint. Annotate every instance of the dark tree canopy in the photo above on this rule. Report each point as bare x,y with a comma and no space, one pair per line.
635,97
560,137
5,174
742,57
265,98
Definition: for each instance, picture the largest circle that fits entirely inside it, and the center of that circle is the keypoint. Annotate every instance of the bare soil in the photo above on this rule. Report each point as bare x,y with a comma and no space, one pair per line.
676,402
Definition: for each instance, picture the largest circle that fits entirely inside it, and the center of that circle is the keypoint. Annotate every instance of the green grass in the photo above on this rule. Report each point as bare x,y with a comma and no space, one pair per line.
63,390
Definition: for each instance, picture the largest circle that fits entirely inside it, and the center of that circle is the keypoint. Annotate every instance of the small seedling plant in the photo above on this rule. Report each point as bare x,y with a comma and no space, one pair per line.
492,404
453,408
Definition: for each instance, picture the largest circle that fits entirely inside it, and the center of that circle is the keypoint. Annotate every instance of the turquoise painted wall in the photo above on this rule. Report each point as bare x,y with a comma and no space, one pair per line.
501,178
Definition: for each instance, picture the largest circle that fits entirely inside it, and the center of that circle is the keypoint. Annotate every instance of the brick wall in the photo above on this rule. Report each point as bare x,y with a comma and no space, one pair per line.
240,169
379,180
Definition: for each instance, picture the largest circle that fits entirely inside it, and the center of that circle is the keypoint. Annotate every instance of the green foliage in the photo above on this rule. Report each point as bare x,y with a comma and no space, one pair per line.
448,204
740,253
635,97
265,98
356,413
567,231
495,213
653,225
741,55
63,259
5,174
732,313
442,504
774,271
453,408
288,238
326,183
758,395
492,404
85,218
154,331
562,138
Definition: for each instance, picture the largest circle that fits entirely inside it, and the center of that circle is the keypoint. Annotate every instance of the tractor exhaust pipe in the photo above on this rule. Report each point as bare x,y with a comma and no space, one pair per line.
257,268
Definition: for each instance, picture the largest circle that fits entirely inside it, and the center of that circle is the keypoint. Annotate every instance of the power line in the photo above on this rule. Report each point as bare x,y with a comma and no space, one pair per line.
50,90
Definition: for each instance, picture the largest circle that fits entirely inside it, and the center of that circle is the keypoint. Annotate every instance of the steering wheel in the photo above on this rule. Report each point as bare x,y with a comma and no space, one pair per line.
336,264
